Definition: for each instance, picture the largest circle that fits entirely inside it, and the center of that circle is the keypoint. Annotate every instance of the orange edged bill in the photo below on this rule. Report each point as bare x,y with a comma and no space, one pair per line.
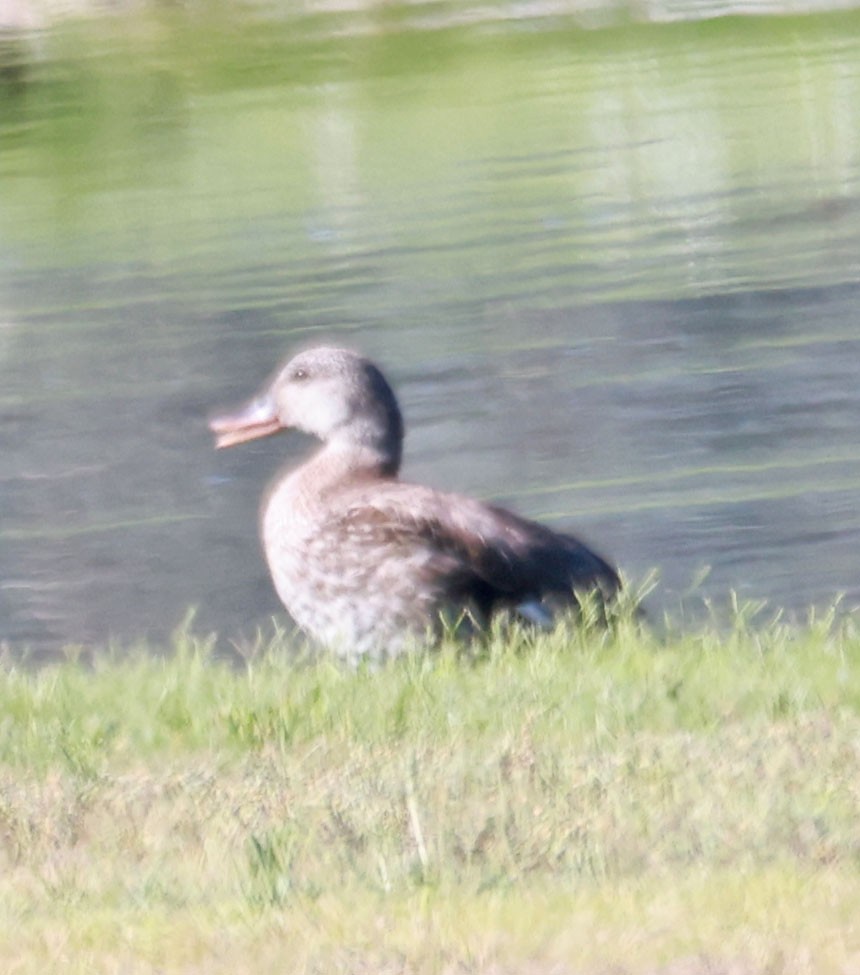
258,418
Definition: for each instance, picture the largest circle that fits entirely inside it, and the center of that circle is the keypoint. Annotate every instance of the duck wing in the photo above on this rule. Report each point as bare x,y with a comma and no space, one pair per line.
479,552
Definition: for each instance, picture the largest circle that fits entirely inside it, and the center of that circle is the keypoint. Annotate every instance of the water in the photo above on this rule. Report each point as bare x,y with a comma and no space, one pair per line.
612,273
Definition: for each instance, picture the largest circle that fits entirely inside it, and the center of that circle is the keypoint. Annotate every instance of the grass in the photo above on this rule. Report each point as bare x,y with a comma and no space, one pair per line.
586,801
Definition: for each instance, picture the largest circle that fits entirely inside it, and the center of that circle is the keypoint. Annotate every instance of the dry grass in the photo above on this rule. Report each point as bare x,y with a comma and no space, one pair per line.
587,802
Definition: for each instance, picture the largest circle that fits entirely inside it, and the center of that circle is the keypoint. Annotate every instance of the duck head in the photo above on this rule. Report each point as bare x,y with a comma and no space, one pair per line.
333,394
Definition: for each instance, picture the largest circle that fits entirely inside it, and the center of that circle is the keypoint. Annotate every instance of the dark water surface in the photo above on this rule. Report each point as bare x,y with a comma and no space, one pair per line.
614,275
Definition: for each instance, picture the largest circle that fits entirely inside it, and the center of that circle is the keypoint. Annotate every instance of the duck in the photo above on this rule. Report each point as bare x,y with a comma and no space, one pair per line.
370,566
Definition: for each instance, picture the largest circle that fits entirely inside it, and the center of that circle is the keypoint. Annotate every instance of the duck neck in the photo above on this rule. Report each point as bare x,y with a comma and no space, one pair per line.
348,460
298,498
333,466
369,442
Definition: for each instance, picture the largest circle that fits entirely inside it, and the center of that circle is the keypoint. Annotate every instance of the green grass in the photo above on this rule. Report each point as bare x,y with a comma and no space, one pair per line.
585,801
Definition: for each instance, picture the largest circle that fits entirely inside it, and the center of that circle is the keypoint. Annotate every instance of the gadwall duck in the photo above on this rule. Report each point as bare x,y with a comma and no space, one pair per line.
370,565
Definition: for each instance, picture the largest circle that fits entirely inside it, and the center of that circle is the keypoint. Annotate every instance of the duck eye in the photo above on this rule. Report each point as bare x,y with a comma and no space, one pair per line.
300,374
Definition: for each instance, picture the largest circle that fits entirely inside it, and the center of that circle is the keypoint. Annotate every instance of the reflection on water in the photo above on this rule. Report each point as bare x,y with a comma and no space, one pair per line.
612,274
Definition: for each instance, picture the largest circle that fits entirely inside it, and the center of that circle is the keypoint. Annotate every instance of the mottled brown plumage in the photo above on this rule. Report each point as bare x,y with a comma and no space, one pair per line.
368,564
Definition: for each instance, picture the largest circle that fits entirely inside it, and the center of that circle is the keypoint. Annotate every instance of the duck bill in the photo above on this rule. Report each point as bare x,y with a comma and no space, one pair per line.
256,419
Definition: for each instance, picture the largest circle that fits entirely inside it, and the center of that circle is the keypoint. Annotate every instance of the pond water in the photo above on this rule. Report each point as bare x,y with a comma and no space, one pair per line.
613,273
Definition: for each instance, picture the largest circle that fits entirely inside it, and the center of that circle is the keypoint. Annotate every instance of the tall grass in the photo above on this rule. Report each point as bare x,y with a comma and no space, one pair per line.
568,802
